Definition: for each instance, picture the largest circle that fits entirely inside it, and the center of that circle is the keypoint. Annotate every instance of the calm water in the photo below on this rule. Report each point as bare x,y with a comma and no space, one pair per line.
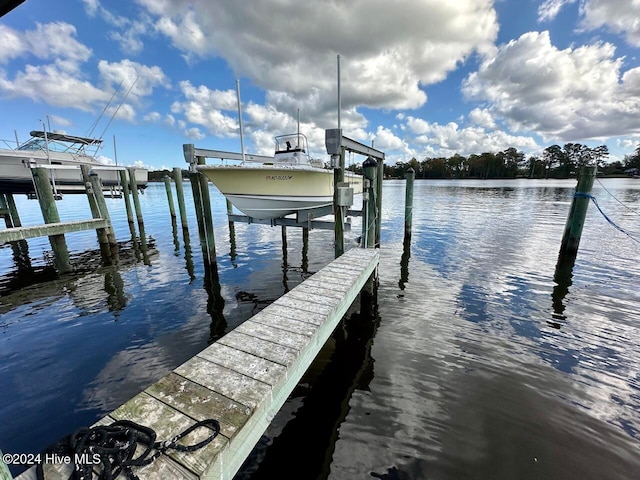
478,365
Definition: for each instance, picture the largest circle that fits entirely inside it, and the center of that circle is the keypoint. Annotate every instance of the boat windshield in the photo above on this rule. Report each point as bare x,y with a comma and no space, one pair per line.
41,144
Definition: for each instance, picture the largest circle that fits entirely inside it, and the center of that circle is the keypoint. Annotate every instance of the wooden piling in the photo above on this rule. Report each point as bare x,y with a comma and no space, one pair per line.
408,204
338,212
177,177
167,186
125,194
379,178
136,198
50,215
305,250
284,243
578,212
103,239
232,225
104,214
369,168
202,203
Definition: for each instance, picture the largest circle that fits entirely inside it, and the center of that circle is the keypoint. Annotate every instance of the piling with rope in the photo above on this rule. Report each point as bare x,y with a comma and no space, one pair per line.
578,212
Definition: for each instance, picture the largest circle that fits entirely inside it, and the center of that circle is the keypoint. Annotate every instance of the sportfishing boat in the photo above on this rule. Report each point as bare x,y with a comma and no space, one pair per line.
62,154
290,182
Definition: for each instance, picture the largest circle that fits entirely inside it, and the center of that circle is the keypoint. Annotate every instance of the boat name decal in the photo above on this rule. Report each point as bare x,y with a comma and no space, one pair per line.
279,177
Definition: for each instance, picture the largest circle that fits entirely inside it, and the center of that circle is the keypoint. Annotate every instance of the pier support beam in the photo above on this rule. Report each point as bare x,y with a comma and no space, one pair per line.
172,208
50,215
578,212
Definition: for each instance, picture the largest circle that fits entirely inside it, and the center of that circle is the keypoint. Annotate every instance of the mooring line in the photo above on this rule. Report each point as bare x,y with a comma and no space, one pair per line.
614,197
591,197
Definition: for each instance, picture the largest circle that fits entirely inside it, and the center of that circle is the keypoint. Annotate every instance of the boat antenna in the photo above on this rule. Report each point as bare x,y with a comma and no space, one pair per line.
117,109
95,124
15,132
48,122
339,99
240,119
299,129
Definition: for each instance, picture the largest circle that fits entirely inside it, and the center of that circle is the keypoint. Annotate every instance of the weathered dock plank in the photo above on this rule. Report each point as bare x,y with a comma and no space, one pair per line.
243,379
24,233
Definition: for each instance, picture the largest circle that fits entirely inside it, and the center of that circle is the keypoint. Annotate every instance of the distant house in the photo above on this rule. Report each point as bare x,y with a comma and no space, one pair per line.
632,171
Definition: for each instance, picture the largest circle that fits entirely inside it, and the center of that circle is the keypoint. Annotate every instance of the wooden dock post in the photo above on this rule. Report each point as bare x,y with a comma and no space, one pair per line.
408,204
127,202
284,243
136,198
9,210
202,201
578,212
305,250
98,206
379,178
177,177
338,213
172,208
50,215
369,170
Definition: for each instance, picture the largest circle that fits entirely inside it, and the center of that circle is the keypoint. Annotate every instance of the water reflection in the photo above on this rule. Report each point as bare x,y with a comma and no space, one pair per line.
318,405
404,264
563,280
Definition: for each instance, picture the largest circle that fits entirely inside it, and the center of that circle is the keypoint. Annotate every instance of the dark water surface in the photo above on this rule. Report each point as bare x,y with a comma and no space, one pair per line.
478,365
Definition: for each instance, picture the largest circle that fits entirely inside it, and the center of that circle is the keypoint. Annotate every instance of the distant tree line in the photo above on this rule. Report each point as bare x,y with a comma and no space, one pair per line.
555,162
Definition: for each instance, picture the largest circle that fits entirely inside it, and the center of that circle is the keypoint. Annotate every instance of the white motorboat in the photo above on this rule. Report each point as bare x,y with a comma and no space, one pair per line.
62,154
291,182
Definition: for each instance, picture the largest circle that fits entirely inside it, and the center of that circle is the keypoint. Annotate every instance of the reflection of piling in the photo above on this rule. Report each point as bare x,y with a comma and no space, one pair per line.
563,280
408,205
404,264
578,212
188,257
136,197
50,215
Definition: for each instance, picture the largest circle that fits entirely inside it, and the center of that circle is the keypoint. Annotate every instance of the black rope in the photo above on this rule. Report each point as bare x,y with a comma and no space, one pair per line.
113,447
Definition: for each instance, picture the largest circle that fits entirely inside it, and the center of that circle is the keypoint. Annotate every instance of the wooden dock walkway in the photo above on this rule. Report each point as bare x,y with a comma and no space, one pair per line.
244,378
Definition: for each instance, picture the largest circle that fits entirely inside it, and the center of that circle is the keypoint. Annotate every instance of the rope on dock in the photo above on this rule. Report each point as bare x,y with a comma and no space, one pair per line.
115,446
595,202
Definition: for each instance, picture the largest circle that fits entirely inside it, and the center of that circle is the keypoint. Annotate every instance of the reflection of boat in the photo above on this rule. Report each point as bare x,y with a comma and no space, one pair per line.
293,181
56,149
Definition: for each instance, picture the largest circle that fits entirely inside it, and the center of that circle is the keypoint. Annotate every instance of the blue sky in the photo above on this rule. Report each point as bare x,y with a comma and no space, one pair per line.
419,77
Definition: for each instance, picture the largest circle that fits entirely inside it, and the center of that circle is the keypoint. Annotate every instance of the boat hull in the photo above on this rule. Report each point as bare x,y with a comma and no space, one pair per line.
272,192
15,171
